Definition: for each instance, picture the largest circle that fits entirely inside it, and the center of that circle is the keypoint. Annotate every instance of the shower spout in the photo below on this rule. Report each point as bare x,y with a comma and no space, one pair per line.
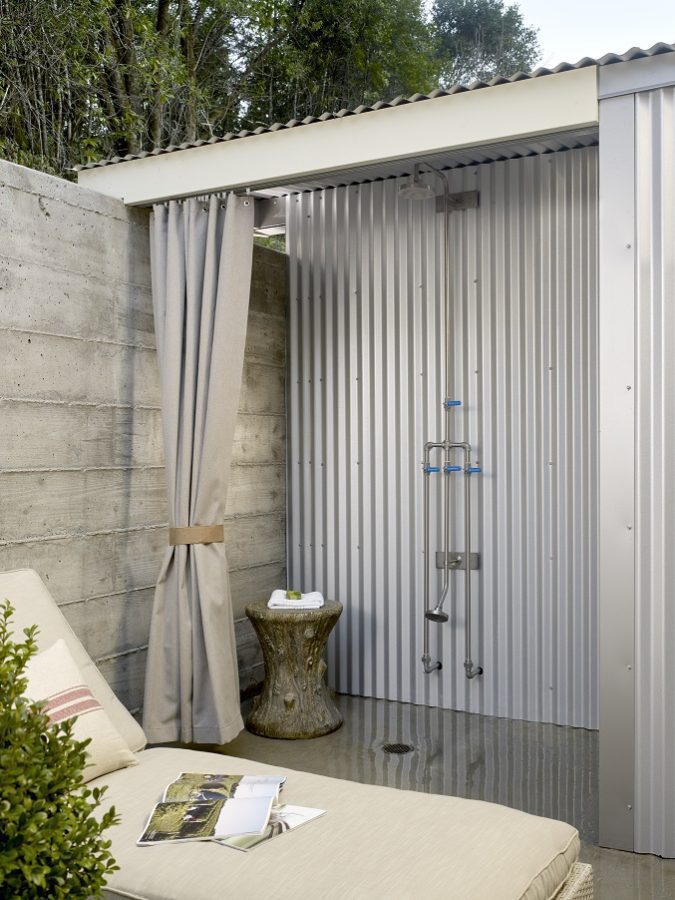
430,667
469,670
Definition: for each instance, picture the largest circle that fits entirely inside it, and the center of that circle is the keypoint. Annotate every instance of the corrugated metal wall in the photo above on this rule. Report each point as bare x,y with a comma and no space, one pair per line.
365,391
655,465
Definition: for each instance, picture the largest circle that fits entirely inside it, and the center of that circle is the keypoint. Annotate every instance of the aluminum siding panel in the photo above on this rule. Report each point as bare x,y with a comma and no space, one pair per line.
655,487
616,551
365,391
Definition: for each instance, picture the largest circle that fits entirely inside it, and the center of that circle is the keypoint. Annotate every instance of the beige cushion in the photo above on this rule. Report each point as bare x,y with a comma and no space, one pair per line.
34,605
374,842
54,679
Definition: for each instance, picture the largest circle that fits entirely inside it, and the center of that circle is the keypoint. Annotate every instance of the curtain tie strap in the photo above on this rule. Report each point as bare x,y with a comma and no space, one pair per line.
197,534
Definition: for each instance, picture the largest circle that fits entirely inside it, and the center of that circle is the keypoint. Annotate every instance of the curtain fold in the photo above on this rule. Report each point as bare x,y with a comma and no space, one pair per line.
201,253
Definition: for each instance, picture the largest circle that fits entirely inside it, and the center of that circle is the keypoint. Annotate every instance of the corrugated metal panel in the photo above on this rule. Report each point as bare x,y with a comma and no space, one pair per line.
365,392
607,60
655,486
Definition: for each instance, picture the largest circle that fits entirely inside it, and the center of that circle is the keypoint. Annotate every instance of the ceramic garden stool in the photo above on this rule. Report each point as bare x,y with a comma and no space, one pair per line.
295,702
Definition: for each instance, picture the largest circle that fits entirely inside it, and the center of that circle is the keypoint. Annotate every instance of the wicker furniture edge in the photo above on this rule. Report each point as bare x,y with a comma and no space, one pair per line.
579,883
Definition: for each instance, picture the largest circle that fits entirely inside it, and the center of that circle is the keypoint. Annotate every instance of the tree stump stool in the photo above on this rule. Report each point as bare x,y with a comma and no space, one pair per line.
295,702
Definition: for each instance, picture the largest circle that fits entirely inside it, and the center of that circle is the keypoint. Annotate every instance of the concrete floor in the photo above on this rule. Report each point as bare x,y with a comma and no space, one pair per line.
542,769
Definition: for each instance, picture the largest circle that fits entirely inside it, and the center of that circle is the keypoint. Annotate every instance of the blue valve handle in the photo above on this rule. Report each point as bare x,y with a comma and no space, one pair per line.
429,469
473,470
448,403
452,469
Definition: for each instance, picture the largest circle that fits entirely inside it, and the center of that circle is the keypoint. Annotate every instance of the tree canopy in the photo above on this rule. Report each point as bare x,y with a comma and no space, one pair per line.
478,39
83,79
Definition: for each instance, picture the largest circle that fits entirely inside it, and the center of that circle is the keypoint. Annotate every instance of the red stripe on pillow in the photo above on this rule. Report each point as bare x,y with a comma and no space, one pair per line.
74,709
74,693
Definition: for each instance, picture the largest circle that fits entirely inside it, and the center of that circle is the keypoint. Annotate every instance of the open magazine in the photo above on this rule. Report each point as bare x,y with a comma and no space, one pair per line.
202,807
282,818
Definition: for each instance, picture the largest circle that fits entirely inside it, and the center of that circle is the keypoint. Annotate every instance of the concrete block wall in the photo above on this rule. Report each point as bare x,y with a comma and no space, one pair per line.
255,530
82,495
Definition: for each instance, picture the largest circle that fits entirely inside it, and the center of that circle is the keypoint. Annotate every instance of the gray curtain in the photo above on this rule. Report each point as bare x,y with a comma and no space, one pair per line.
201,275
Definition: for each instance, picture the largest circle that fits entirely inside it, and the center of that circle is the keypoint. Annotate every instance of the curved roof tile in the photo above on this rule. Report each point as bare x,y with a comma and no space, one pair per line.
606,60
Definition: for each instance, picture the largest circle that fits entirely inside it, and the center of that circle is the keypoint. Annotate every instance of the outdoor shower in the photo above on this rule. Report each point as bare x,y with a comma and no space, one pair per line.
419,190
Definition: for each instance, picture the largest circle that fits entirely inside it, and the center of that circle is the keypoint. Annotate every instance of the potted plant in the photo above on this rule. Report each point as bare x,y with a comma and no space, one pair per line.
51,844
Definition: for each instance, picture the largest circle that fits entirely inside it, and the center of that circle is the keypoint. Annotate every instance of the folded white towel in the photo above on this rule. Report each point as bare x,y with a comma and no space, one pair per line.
279,600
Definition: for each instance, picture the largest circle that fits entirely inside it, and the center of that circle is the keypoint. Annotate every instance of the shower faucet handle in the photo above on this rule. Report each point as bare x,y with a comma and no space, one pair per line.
429,469
449,403
449,469
473,470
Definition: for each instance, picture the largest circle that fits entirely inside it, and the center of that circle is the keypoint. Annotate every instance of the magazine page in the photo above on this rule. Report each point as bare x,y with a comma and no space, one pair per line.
189,820
181,821
282,818
200,787
244,816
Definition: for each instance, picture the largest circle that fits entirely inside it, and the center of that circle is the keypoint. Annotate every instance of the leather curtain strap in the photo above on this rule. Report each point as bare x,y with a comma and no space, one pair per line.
197,534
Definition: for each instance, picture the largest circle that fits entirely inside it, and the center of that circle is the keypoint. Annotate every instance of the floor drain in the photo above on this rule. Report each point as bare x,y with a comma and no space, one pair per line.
397,748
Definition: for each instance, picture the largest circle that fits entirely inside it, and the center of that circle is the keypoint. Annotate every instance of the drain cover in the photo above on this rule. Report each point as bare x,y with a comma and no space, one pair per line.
397,748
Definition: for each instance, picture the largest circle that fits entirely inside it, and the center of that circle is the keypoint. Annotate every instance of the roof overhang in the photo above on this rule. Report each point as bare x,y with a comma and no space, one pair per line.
523,109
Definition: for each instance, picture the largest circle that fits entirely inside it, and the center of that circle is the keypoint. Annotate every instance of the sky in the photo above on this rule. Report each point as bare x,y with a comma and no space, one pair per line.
572,29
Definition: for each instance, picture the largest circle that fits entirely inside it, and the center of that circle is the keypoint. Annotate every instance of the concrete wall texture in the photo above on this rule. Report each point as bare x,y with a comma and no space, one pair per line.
82,495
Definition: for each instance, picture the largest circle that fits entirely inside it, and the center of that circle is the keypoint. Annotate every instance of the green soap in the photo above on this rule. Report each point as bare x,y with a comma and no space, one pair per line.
293,595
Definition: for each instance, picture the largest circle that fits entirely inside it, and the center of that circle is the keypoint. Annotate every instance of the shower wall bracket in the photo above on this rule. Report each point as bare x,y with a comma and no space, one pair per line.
456,202
454,560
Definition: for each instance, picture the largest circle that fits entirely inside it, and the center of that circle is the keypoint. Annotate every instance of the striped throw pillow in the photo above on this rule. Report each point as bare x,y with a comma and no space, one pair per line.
55,679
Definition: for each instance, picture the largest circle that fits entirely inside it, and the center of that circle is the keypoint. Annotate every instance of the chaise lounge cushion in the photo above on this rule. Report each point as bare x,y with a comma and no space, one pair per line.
374,842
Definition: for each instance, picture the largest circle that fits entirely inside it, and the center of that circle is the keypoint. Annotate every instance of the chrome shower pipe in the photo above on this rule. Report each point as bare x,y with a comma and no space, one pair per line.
448,447
430,666
470,670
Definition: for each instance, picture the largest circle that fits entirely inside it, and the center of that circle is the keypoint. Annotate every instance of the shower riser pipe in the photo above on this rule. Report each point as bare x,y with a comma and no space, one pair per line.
448,447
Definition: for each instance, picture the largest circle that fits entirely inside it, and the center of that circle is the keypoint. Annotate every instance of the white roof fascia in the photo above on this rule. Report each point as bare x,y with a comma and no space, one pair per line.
491,115
636,75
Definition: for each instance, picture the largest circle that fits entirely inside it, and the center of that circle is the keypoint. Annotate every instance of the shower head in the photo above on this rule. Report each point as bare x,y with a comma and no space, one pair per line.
437,614
416,189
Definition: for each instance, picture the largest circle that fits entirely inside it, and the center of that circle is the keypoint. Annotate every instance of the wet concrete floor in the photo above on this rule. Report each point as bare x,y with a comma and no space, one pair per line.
543,769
